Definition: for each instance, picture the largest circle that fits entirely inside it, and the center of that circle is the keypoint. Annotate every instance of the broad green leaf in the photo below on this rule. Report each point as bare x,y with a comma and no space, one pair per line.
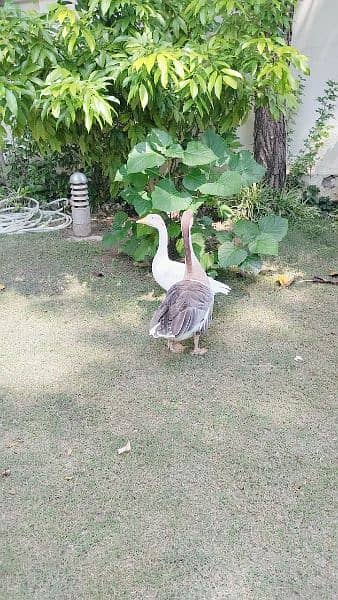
138,180
167,198
252,264
264,244
112,238
143,249
159,139
174,151
194,179
120,218
12,103
207,260
243,162
142,204
143,157
275,226
215,142
121,174
224,236
230,256
246,230
143,95
140,201
198,154
227,185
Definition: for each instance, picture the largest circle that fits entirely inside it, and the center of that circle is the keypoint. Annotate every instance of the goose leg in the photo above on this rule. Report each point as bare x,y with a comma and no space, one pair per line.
197,349
175,347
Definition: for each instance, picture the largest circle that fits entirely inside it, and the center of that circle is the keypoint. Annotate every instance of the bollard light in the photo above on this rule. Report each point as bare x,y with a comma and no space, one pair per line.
80,205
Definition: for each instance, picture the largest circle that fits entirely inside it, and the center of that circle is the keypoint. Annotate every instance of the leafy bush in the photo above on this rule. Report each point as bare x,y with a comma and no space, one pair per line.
45,177
318,134
259,200
162,175
100,75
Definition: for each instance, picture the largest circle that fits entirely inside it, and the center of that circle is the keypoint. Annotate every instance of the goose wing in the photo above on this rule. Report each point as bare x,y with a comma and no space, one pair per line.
186,310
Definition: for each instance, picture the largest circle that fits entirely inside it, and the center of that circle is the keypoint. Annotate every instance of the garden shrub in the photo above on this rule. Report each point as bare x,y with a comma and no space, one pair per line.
161,175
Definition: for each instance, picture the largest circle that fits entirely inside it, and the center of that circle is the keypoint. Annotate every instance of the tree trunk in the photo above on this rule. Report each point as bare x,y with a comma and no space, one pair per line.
270,141
270,146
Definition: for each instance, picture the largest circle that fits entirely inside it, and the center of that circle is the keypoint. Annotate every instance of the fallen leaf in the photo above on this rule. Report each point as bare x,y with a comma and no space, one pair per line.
285,280
2,287
12,492
6,473
298,358
14,443
69,451
318,279
124,449
69,477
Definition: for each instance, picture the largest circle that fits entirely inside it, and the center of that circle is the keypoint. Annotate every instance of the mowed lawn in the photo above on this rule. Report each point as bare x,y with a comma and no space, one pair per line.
227,492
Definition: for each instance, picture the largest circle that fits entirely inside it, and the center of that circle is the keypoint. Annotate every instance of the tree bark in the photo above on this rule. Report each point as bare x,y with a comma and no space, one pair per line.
270,146
270,141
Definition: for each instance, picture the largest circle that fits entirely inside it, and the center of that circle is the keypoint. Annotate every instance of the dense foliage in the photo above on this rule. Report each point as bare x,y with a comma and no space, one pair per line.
161,175
101,76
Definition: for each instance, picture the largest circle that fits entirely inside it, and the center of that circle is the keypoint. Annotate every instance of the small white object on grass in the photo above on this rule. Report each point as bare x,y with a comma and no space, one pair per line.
124,449
298,358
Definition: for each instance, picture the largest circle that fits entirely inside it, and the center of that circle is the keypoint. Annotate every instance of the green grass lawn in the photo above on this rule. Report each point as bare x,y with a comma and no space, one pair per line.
227,492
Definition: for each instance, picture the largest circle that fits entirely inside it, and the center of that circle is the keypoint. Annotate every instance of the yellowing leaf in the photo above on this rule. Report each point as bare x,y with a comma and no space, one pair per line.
163,66
88,36
149,61
218,86
230,81
261,46
143,95
285,280
193,89
179,68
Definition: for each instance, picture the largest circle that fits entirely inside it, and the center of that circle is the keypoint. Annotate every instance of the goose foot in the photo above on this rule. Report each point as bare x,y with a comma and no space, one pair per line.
175,347
197,350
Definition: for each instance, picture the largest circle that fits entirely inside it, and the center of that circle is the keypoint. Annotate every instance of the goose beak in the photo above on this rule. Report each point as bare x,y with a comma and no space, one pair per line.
143,220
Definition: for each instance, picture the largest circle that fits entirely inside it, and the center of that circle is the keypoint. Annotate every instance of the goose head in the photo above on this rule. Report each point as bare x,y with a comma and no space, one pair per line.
152,220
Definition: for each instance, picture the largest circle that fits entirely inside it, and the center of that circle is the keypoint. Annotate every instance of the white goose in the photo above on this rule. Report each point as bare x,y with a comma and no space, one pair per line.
167,272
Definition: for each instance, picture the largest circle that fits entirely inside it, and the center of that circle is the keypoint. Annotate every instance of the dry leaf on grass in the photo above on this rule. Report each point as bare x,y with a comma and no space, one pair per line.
14,443
69,451
2,287
6,473
69,477
285,280
124,449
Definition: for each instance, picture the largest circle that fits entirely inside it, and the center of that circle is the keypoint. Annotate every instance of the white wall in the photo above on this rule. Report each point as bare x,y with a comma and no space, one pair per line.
315,34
